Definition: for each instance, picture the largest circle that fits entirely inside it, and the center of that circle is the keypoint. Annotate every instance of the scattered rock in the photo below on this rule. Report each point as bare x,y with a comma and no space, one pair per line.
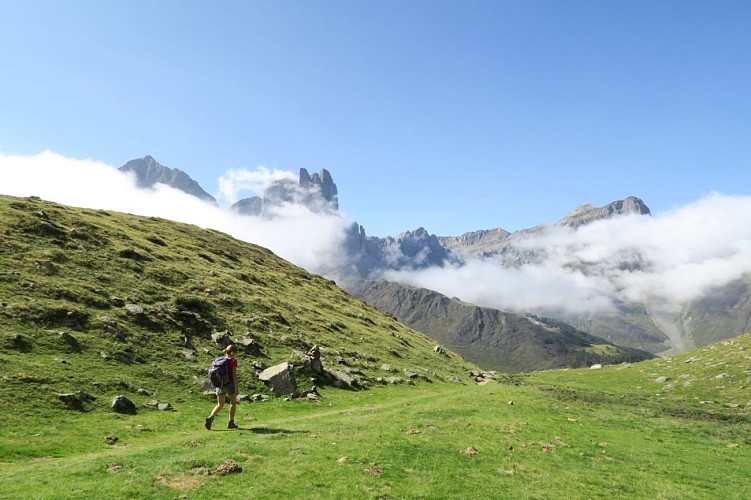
341,379
470,451
341,460
311,394
134,309
312,360
51,228
222,338
386,367
70,341
71,401
596,367
280,379
373,470
111,439
251,345
661,380
439,350
160,406
121,404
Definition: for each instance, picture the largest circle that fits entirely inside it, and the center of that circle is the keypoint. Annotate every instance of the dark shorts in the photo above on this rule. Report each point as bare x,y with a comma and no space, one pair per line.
227,390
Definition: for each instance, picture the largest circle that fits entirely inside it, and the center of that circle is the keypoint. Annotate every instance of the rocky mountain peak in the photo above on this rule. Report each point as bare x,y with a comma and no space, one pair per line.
323,182
317,192
149,172
585,214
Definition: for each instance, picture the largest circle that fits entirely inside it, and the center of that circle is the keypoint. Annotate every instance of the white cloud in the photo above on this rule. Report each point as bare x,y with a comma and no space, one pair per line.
671,257
309,240
251,182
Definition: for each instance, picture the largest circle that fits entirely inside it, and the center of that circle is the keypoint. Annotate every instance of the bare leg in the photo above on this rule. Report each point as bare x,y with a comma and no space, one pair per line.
219,405
232,407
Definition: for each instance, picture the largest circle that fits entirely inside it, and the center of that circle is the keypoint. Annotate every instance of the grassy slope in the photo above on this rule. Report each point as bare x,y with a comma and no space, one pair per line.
76,272
610,433
618,432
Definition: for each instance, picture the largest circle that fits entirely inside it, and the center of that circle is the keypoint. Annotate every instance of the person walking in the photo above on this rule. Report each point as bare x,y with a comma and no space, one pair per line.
227,390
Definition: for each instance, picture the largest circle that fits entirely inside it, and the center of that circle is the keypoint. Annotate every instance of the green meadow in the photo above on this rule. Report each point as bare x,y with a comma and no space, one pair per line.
613,432
104,304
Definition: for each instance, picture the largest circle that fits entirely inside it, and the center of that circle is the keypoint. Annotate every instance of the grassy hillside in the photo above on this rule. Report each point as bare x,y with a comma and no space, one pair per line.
110,303
69,280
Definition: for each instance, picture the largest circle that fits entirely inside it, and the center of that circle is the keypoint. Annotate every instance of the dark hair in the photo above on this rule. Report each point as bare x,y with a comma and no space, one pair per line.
230,348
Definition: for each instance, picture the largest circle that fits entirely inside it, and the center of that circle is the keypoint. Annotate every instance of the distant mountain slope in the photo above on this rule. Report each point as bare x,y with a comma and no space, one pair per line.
110,303
656,327
722,313
719,314
149,172
493,339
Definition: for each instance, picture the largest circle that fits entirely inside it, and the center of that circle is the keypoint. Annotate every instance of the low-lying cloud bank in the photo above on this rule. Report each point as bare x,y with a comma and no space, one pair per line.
309,240
669,258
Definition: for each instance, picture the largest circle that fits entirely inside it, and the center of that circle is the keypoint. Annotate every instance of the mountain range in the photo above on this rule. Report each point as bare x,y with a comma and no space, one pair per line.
651,327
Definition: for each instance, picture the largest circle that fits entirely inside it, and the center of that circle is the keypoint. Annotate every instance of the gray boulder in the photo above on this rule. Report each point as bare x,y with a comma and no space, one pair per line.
222,338
121,404
280,379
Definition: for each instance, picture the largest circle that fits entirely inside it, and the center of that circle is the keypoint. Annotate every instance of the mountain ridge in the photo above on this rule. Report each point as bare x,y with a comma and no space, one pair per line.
149,172
655,327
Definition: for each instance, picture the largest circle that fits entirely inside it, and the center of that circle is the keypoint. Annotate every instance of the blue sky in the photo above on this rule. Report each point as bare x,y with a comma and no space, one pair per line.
451,115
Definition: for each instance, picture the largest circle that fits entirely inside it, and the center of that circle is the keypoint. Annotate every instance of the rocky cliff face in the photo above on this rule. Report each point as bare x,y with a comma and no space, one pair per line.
317,192
323,184
149,172
416,249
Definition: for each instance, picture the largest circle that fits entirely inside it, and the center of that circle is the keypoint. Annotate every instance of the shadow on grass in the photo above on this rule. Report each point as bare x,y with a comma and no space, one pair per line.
262,430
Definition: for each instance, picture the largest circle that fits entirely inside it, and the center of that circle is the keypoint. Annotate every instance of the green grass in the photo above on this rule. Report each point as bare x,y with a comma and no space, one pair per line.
394,442
667,428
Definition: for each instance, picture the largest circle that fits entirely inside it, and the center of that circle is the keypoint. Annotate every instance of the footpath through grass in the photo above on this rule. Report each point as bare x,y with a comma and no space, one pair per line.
431,441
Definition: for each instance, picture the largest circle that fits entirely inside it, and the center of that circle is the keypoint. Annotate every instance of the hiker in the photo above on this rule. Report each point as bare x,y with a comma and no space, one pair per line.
229,388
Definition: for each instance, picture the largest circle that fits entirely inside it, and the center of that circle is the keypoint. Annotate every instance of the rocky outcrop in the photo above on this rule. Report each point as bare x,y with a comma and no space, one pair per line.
416,249
323,184
149,172
317,192
280,379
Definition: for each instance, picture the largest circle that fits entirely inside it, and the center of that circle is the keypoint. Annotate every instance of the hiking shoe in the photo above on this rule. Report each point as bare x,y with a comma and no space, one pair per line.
209,421
231,425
